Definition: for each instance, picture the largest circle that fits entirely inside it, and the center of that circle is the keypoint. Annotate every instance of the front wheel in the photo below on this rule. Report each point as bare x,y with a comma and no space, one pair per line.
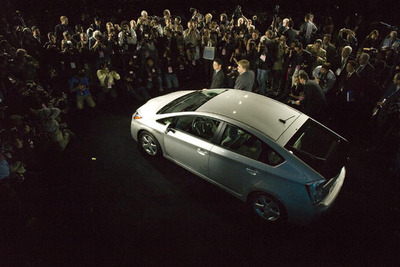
268,208
149,144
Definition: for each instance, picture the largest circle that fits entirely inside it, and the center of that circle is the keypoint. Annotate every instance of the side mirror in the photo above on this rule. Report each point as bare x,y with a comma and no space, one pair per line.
170,127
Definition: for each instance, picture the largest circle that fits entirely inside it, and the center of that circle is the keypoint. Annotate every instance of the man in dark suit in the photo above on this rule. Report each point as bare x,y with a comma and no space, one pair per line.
348,89
245,80
339,61
391,94
218,78
368,92
348,100
314,102
386,112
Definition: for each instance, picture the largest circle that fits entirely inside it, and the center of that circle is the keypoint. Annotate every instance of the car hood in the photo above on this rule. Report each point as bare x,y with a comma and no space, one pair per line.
155,104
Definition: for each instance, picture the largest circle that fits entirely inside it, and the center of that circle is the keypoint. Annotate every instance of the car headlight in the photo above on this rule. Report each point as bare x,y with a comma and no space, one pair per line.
136,115
316,191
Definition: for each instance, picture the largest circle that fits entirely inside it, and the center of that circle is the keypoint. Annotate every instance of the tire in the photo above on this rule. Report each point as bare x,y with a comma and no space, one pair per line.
268,208
149,144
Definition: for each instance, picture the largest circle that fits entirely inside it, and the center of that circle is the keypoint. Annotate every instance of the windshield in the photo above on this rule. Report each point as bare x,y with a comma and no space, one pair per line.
322,149
190,102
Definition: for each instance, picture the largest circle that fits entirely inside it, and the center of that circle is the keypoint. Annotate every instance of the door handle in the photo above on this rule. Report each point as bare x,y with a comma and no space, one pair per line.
202,152
252,172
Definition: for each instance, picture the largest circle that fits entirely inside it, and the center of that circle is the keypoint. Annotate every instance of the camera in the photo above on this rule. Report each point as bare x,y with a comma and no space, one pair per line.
233,72
276,10
238,12
127,33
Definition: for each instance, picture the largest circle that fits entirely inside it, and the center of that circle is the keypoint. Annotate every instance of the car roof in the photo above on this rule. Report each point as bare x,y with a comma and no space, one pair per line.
259,112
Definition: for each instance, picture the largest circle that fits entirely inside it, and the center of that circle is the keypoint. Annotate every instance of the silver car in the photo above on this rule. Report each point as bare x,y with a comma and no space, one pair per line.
287,166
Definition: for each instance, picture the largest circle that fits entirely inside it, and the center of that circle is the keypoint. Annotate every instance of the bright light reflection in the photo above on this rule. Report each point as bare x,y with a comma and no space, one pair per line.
240,102
234,112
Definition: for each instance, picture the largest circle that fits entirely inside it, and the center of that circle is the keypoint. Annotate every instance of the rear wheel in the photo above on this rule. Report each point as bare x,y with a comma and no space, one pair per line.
149,144
268,208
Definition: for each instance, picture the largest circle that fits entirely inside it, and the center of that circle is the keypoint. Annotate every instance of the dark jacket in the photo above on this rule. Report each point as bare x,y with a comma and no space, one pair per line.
348,89
218,80
314,101
245,81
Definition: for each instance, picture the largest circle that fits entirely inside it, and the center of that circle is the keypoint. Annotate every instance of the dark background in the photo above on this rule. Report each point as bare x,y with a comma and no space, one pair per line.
45,14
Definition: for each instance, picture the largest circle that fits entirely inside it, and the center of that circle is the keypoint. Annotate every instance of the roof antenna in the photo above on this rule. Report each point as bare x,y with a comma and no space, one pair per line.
284,121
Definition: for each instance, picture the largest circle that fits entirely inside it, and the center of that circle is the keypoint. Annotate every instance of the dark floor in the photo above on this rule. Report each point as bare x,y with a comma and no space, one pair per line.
103,203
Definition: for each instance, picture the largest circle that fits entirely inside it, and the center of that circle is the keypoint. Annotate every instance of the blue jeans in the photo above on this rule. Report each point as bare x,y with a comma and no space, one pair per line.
155,82
262,78
171,80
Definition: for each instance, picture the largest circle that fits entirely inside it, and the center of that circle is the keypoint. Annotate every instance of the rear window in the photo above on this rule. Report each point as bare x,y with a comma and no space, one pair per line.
190,102
323,150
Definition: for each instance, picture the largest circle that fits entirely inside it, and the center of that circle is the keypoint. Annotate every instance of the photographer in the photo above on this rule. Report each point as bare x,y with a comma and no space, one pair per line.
391,41
226,47
279,46
253,49
254,40
296,93
313,103
263,64
69,60
127,38
325,77
317,52
298,59
169,67
49,118
233,65
25,66
192,35
152,75
67,38
99,48
80,85
346,37
85,58
107,76
134,80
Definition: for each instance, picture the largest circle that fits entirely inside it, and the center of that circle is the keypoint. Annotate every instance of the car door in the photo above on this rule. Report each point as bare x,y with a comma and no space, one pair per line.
188,141
241,159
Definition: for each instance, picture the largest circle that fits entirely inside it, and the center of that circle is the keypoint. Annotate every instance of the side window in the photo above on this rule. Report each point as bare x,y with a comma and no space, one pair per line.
165,121
202,127
248,145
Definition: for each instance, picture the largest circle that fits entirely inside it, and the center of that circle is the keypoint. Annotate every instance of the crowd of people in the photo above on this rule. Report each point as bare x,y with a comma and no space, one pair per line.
329,73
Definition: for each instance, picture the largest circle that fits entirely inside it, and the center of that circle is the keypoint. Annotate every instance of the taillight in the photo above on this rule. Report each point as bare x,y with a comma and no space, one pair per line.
316,191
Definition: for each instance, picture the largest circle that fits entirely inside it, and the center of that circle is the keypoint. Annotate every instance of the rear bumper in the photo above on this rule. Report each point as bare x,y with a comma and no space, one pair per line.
328,201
